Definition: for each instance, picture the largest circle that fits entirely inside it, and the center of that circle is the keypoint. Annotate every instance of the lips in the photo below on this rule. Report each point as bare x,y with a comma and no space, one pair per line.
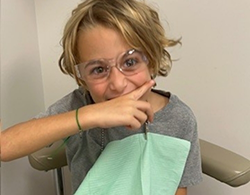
116,96
111,98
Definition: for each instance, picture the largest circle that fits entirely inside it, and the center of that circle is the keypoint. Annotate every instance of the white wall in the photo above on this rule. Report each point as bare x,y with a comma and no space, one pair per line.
51,18
212,75
21,92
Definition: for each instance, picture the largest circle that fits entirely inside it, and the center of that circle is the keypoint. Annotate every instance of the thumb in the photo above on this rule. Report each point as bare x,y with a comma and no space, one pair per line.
139,92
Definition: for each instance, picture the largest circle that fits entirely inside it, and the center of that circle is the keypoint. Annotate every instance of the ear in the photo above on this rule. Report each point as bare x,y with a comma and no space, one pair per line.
152,75
82,84
151,71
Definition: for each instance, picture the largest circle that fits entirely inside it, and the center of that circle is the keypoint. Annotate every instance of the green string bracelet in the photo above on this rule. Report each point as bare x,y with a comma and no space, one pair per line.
53,155
77,122
56,151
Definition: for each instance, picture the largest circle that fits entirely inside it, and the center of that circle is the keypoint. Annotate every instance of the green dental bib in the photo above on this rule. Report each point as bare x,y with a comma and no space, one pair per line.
136,166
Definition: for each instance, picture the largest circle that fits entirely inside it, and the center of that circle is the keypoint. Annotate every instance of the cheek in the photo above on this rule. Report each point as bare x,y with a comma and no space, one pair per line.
140,78
97,92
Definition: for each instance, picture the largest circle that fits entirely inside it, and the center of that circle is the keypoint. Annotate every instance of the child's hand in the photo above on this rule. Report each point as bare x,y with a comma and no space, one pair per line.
127,110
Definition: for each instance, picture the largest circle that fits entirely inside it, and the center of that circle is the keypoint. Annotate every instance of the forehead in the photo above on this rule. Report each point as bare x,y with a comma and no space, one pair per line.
100,42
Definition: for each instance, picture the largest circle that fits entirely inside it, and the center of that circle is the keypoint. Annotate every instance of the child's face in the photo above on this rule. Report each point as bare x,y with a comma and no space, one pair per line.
100,42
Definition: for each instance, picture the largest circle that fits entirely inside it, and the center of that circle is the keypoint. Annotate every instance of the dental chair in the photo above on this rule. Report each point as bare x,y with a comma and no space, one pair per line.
217,162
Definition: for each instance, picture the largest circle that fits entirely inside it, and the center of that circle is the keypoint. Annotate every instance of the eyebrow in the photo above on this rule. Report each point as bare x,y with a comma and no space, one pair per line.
92,62
126,53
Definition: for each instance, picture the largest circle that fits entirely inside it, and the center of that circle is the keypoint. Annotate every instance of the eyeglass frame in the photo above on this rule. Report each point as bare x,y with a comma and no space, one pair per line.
115,63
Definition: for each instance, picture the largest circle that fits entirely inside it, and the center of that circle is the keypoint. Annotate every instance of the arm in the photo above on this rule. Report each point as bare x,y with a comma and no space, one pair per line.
181,191
25,138
28,137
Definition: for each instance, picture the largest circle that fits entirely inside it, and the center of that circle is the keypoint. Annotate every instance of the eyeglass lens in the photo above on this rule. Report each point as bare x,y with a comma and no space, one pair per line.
129,63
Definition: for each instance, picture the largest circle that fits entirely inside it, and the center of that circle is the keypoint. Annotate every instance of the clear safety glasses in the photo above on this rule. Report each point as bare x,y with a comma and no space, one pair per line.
128,63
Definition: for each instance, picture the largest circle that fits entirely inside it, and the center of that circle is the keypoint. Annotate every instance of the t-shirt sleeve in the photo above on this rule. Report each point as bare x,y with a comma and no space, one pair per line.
68,103
57,108
192,174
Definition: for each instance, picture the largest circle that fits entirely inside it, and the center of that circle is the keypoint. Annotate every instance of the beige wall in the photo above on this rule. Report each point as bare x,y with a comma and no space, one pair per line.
21,92
212,75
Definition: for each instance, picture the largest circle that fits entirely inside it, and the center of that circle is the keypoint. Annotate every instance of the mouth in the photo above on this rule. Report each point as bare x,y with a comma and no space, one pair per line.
116,96
108,99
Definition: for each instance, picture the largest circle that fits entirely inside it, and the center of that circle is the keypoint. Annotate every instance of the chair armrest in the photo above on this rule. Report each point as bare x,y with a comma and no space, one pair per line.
224,165
49,157
217,162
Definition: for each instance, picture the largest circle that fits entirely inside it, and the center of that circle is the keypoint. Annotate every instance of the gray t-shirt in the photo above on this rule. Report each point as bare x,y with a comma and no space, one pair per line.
176,119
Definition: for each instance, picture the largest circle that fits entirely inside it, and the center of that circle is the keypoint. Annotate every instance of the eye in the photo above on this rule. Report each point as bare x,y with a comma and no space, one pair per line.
130,62
97,70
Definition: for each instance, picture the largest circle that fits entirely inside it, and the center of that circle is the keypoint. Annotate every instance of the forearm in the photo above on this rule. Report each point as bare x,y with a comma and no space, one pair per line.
25,138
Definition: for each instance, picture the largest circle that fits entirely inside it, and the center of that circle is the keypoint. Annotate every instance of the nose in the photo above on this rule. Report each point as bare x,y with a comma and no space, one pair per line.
117,80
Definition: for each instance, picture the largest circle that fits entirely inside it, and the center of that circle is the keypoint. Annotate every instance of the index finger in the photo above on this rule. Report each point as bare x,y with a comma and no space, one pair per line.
138,93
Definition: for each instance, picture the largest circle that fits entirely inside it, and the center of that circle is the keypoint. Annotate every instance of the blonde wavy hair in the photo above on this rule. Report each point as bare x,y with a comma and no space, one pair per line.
138,23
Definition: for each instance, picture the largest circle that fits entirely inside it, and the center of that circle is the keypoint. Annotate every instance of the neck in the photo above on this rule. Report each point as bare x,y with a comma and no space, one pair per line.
157,101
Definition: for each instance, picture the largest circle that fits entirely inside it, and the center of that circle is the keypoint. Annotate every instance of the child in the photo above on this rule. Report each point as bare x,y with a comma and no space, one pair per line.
113,49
